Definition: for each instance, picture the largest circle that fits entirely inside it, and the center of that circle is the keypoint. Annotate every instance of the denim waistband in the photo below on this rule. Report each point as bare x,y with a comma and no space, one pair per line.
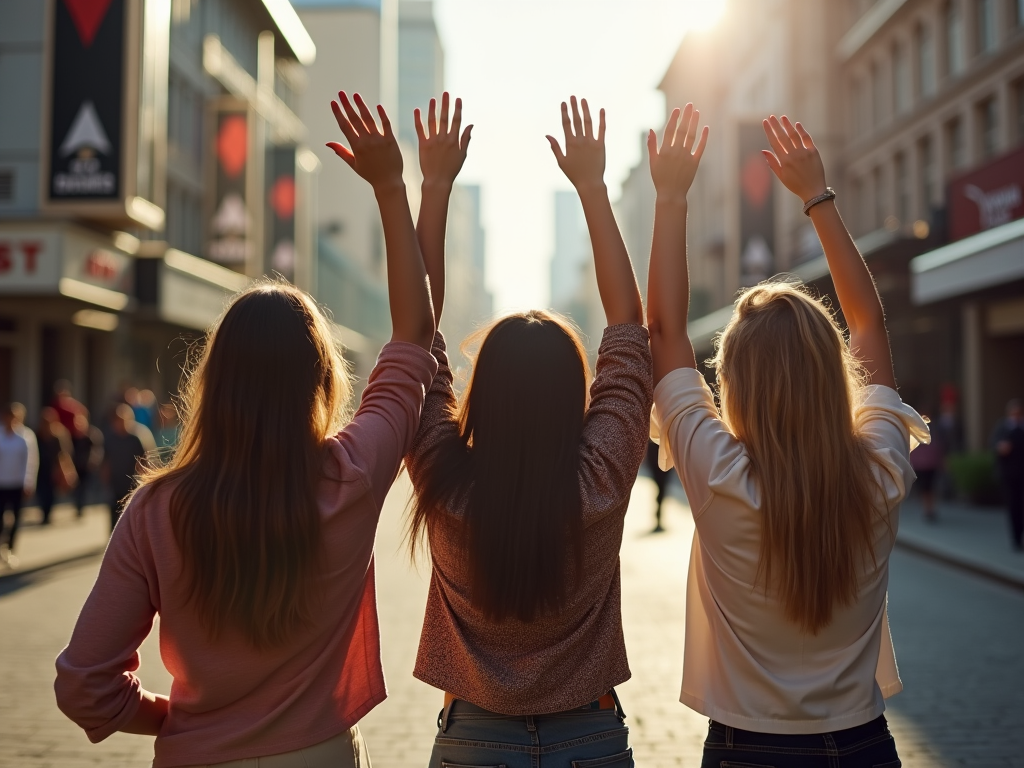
834,741
467,708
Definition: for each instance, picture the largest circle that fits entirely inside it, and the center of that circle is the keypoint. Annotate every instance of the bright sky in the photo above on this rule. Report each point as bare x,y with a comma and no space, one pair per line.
513,62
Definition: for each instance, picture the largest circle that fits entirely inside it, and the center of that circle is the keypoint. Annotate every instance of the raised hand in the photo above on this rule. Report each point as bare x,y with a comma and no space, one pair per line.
674,166
583,160
442,148
795,160
374,152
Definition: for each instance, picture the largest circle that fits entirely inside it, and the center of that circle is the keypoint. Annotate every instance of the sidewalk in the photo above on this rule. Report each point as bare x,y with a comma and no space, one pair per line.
66,539
975,539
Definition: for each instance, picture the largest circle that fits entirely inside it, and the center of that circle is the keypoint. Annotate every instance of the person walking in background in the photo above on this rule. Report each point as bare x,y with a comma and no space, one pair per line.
660,478
19,465
928,461
795,485
56,463
255,543
167,431
87,444
124,453
521,492
1008,444
67,407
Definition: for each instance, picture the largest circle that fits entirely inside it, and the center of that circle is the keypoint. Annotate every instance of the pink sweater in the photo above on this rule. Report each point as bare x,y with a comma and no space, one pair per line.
227,700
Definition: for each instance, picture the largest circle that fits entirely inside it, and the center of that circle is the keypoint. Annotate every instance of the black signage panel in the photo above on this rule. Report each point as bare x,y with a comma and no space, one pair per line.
87,108
757,208
280,218
230,226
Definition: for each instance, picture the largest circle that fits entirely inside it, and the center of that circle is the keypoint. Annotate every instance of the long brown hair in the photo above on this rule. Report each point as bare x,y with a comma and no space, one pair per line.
788,386
513,468
269,387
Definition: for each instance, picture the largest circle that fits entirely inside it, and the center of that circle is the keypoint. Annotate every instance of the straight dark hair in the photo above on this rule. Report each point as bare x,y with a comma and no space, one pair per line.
268,389
513,469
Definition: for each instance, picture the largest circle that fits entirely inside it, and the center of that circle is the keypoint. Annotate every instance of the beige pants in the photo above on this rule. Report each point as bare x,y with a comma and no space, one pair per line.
346,750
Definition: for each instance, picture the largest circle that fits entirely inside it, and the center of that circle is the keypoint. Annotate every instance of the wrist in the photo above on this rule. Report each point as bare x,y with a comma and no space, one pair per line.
388,187
437,185
671,200
595,187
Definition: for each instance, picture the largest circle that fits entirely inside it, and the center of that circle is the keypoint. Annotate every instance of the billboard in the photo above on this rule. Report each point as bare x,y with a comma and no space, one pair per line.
104,114
757,207
988,196
280,218
230,222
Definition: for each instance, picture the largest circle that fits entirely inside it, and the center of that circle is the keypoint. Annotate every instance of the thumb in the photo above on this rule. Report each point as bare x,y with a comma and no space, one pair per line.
466,136
773,162
343,152
556,149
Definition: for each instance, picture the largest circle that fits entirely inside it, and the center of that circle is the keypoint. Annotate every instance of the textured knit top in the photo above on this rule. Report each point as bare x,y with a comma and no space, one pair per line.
559,661
229,701
744,663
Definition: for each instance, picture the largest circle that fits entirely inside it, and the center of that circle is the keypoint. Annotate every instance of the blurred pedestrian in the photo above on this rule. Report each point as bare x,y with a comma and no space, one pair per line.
948,432
87,440
928,460
255,543
19,463
124,453
167,432
67,407
57,473
1008,444
142,402
660,478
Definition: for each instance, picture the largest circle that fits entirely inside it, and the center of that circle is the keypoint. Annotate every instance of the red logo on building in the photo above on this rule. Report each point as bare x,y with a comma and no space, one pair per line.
87,16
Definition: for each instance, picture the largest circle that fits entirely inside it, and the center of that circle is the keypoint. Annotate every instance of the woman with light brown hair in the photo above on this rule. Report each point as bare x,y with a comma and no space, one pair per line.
254,543
794,479
522,488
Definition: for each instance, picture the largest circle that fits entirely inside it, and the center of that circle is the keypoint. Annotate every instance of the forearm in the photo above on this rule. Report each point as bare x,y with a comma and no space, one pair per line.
615,279
411,316
431,226
149,717
668,290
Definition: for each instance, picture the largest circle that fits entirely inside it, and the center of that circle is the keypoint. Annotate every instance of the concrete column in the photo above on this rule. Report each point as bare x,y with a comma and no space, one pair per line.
971,327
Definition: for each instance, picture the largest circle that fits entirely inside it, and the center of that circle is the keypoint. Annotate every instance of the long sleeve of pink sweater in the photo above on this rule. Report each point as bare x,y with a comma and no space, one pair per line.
229,701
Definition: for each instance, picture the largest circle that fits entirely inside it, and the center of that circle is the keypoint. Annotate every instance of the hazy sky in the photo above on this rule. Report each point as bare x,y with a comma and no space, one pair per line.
513,62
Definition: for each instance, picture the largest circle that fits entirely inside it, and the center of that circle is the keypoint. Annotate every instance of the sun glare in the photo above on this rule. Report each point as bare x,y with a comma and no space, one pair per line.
704,14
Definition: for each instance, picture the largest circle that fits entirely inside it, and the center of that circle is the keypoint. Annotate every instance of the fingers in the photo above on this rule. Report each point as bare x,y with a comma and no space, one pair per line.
702,142
773,138
466,136
557,150
691,127
577,121
670,129
588,124
343,152
805,136
652,146
457,118
353,117
773,161
600,125
343,122
366,114
791,133
385,122
432,119
418,120
566,125
442,128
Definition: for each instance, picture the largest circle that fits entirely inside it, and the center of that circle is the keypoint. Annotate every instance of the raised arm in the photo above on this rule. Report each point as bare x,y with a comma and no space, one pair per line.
583,164
798,165
375,156
668,289
442,153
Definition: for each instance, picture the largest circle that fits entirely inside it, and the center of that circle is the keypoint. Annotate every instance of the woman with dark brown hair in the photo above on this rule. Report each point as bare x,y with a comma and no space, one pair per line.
522,487
254,543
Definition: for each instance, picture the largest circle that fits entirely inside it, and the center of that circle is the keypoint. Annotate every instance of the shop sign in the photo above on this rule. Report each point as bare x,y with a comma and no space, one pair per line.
230,223
92,261
280,175
987,197
757,207
30,261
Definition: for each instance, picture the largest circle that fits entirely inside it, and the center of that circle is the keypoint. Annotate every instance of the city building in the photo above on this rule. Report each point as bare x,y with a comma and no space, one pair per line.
156,165
573,280
420,63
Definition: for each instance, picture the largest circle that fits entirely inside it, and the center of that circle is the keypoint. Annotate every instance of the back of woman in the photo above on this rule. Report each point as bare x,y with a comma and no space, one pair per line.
521,490
794,478
254,543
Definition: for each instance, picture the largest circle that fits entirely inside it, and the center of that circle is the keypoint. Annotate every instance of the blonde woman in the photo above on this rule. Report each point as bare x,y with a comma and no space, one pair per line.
794,481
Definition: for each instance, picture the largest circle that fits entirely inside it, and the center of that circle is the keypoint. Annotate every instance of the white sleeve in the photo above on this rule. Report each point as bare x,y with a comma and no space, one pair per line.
892,429
31,458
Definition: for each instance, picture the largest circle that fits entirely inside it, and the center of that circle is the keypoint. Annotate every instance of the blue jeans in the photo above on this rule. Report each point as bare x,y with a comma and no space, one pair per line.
864,746
471,737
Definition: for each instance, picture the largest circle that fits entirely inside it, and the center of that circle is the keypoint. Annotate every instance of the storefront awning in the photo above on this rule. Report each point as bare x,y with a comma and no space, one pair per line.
984,260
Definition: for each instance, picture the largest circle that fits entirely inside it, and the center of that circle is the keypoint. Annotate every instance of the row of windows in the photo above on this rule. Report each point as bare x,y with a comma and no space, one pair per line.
879,199
937,47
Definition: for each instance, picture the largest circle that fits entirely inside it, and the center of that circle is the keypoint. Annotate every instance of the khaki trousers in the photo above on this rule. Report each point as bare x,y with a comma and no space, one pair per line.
346,750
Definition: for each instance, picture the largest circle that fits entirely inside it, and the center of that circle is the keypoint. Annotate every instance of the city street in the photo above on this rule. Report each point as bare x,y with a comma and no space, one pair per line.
957,640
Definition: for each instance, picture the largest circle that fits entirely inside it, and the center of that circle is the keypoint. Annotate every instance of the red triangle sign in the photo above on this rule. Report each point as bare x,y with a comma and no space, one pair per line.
87,16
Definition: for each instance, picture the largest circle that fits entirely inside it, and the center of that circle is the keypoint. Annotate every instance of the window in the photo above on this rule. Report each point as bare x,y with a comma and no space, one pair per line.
988,127
6,185
1019,9
902,188
986,25
926,162
877,99
926,60
954,39
955,143
901,78
1018,92
877,194
857,205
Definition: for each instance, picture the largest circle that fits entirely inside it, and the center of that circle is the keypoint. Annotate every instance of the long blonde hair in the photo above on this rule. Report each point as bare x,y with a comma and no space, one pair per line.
788,385
269,388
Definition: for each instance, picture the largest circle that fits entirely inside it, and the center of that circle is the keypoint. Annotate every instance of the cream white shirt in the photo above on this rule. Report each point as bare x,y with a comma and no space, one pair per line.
19,458
744,663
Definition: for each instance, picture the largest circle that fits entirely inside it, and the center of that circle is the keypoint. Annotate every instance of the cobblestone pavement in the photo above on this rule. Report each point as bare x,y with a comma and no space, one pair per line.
958,640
